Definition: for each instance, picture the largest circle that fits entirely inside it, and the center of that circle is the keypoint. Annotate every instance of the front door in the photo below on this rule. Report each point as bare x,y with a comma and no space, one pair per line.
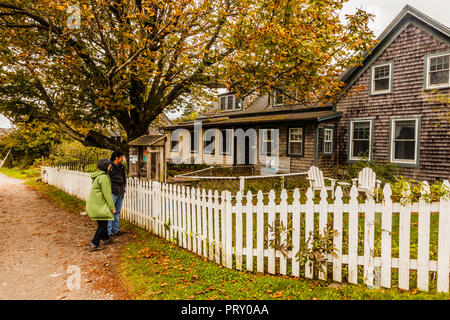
241,154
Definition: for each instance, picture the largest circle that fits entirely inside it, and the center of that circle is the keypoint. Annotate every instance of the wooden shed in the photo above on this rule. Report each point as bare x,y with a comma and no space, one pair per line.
148,157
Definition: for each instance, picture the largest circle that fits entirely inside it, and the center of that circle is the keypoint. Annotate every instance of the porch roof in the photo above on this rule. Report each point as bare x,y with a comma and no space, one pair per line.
146,140
316,116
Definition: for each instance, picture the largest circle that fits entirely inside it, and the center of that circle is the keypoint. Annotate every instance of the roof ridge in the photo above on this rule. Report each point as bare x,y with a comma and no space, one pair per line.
407,10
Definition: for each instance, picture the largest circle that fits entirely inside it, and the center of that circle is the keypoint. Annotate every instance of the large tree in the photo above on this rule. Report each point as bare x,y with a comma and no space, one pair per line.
126,61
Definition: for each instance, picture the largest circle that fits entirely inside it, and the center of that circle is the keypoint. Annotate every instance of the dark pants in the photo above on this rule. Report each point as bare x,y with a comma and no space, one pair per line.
101,233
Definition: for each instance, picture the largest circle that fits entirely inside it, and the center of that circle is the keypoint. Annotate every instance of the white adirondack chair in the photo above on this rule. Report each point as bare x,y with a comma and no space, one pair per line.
317,180
367,181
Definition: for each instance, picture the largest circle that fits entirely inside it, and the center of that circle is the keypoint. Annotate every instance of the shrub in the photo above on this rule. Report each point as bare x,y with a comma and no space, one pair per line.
385,171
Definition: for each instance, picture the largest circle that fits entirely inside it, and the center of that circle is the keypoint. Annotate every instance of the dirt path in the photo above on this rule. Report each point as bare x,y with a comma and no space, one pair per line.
42,248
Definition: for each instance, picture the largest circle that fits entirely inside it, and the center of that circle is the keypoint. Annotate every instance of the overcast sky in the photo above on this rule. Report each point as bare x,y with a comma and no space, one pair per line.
384,11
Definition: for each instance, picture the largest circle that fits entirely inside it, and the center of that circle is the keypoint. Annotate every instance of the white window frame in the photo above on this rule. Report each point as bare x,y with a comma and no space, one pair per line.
427,70
372,79
290,140
266,141
237,103
172,148
275,94
417,139
325,141
220,103
352,122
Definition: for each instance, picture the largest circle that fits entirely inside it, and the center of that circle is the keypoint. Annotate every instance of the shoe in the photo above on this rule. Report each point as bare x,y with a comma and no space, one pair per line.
95,248
119,233
109,241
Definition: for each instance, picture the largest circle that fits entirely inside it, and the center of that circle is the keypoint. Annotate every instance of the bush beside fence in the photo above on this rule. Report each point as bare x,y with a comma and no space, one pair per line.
237,233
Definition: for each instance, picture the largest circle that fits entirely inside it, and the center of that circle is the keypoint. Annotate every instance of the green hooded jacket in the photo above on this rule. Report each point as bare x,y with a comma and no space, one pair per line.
100,204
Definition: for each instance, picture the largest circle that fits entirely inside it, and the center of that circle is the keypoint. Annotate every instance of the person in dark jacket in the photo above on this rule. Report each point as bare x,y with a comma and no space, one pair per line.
100,206
118,184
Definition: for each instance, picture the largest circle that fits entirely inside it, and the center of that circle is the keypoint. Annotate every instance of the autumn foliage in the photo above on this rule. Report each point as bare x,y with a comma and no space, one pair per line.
123,62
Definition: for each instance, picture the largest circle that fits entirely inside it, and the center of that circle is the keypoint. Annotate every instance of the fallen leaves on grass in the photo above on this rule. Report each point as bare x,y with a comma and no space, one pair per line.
277,294
207,290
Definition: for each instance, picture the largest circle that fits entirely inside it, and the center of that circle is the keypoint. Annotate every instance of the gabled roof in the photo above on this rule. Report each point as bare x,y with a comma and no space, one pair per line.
146,140
408,15
317,115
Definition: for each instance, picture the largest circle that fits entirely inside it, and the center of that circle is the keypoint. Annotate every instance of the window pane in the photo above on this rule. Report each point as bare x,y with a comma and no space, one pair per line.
174,140
327,148
439,63
382,84
405,150
225,147
295,148
194,143
278,97
360,149
328,135
230,102
382,72
238,102
295,134
223,102
361,130
439,77
405,129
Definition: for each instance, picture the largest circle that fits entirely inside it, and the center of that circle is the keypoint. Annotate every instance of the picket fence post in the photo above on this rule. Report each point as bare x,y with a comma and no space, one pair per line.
423,245
216,227
249,230
284,224
296,216
228,230
323,218
238,243
223,223
309,229
260,233
369,240
444,241
353,236
404,241
386,237
271,235
210,225
337,240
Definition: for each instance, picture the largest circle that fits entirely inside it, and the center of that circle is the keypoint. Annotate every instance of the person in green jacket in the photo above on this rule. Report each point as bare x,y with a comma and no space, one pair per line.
100,205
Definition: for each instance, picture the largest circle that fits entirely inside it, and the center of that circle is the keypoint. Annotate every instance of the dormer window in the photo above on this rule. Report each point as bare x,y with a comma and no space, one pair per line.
230,102
278,98
282,98
438,71
381,79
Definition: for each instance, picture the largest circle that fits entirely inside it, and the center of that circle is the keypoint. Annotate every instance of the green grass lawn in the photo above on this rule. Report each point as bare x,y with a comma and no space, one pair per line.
26,174
154,268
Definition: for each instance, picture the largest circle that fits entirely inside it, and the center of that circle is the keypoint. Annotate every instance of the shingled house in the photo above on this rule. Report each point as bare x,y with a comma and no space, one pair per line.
390,118
250,125
394,117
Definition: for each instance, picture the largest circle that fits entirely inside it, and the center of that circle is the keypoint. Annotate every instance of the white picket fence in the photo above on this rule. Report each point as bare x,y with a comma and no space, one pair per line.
236,233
